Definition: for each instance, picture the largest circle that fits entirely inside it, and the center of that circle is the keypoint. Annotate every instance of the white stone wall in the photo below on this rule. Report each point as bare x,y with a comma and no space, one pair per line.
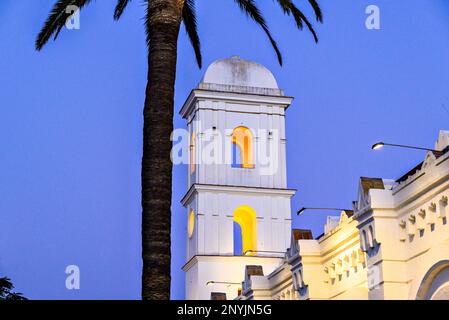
215,206
410,229
229,269
216,189
260,118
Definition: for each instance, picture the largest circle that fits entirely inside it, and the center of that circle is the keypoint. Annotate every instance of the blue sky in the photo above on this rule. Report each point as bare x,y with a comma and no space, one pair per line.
70,125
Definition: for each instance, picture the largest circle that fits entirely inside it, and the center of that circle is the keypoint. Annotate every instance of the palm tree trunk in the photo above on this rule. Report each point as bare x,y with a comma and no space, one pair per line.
163,24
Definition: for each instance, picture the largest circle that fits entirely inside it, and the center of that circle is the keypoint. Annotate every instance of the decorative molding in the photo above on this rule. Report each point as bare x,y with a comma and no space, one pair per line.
256,99
240,89
195,188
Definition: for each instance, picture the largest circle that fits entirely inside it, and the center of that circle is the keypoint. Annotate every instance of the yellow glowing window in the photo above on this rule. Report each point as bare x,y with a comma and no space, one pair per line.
192,153
245,216
191,223
242,148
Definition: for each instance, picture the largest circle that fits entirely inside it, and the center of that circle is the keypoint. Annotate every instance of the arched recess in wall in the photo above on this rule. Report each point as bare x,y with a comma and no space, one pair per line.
192,152
435,284
370,236
242,148
237,234
245,216
191,223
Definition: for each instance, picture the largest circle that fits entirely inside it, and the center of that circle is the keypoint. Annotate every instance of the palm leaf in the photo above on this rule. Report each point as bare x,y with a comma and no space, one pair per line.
317,9
288,7
57,20
300,16
121,5
285,5
190,22
250,9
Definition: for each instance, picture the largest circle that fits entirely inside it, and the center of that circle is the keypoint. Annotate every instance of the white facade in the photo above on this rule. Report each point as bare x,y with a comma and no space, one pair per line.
394,245
409,245
235,93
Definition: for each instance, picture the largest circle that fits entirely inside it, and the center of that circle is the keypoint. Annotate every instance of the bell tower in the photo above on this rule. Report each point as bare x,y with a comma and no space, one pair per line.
237,177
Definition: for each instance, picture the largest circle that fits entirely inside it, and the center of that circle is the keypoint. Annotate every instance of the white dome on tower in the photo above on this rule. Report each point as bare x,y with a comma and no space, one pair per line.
238,75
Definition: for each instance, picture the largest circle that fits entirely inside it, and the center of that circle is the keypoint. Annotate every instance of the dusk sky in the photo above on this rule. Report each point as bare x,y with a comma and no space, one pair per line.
71,125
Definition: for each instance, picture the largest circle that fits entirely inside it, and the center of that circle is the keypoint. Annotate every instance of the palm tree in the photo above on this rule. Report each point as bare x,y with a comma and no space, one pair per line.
162,23
6,288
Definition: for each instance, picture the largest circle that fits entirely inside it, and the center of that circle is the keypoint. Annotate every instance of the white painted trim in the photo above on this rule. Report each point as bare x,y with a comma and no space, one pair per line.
195,188
256,99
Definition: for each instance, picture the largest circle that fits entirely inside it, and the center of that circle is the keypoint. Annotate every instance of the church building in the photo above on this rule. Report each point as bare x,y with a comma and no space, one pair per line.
392,244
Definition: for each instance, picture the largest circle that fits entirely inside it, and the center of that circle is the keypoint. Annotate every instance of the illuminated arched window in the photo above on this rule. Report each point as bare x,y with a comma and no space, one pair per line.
242,148
192,153
191,223
245,216
238,248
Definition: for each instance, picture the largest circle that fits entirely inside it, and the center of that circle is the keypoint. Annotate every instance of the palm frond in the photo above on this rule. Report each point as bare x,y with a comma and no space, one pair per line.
56,20
317,10
288,7
121,5
298,13
190,22
251,10
285,6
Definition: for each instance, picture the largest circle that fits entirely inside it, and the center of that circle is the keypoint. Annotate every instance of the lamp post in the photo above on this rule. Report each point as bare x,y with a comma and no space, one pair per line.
300,211
380,145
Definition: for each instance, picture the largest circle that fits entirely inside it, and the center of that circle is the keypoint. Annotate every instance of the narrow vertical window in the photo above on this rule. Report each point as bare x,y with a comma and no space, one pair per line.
246,241
371,237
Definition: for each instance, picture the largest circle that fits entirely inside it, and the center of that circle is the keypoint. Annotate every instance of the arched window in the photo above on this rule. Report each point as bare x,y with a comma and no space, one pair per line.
435,284
191,223
245,216
238,249
192,153
371,236
242,148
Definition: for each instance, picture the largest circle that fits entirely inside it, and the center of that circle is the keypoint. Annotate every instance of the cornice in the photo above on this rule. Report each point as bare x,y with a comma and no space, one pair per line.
195,259
201,94
195,188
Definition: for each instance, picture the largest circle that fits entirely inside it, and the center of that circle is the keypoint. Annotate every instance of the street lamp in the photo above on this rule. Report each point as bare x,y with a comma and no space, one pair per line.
210,283
378,145
300,211
381,144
